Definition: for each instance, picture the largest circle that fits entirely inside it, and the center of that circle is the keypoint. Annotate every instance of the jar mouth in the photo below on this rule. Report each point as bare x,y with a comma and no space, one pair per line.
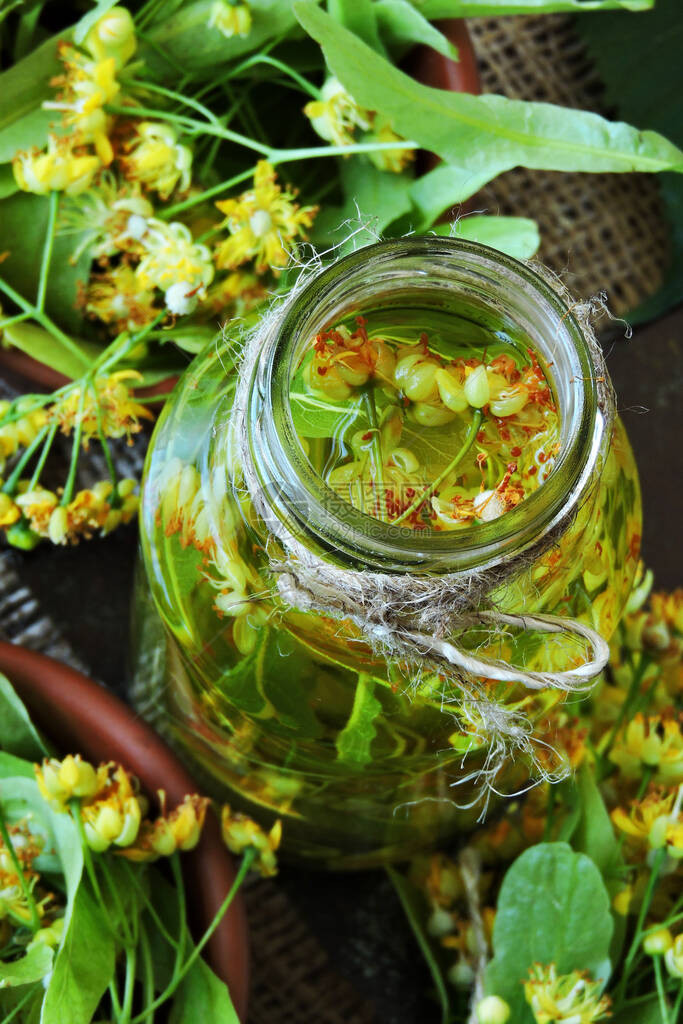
428,272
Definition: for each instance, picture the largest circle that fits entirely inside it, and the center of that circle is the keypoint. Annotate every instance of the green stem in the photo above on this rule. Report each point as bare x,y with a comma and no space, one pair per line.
25,888
368,401
11,483
75,450
638,674
128,935
44,321
18,319
127,1005
281,66
47,250
663,1005
158,923
115,1002
638,934
147,975
677,1004
177,96
21,1004
470,436
75,809
247,859
190,125
43,456
111,469
209,193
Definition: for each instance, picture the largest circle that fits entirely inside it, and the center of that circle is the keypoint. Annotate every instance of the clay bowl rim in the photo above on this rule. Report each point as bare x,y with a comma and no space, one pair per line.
92,721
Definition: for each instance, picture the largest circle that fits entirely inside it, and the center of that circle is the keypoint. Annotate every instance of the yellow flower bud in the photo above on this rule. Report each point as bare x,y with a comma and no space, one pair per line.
430,415
493,1010
9,511
451,391
58,527
61,781
477,391
657,943
113,35
673,958
230,19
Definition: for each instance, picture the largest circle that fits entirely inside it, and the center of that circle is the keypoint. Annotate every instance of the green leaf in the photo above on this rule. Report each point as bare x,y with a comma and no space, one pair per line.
17,733
487,132
415,910
401,26
32,967
442,188
478,8
84,964
23,87
553,908
516,236
355,739
648,1012
43,346
188,44
374,199
359,17
8,184
201,996
11,766
23,225
594,833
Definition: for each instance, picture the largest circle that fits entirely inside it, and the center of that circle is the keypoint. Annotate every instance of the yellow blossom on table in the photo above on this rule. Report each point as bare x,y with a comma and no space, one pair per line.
172,260
336,115
61,781
573,997
87,85
240,833
112,35
180,829
231,19
154,158
263,223
21,432
111,396
649,820
653,742
63,167
116,297
113,814
393,160
91,509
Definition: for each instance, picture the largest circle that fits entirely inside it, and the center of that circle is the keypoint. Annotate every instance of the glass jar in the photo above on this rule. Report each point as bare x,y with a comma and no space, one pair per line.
288,713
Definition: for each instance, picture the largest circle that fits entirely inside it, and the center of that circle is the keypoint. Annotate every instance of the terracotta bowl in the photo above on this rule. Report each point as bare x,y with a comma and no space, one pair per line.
80,716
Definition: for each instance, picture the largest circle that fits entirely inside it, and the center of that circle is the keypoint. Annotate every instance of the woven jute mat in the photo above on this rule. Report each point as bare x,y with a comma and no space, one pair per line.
598,231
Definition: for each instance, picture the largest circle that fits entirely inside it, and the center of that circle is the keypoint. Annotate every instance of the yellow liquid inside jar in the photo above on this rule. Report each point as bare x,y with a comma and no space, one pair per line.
289,714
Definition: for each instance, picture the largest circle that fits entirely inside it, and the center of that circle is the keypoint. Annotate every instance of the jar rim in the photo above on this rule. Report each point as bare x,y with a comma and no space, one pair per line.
312,510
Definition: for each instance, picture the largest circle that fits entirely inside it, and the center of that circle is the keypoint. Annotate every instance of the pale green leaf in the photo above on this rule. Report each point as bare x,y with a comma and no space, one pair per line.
515,236
402,26
43,346
32,967
355,739
201,996
360,17
484,133
23,87
8,184
594,833
84,964
442,188
13,767
18,735
553,907
648,1012
374,199
479,8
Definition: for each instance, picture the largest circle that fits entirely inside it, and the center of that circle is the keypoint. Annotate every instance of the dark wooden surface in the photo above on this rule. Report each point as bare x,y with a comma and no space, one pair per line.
86,590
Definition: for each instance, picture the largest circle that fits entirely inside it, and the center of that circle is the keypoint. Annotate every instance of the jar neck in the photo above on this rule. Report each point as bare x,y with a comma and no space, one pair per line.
473,282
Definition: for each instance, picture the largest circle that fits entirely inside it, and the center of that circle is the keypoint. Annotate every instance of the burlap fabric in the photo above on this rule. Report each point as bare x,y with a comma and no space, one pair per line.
598,231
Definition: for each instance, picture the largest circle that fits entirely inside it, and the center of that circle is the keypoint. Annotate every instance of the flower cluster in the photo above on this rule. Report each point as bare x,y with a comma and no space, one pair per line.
573,997
240,833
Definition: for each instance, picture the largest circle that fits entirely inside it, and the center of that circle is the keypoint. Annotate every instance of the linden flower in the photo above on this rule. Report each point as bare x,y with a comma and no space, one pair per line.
91,509
336,115
173,258
87,86
116,298
112,217
654,742
114,813
231,19
156,160
263,224
240,288
392,160
182,507
178,830
673,958
61,781
655,821
20,432
59,169
557,997
240,833
108,406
